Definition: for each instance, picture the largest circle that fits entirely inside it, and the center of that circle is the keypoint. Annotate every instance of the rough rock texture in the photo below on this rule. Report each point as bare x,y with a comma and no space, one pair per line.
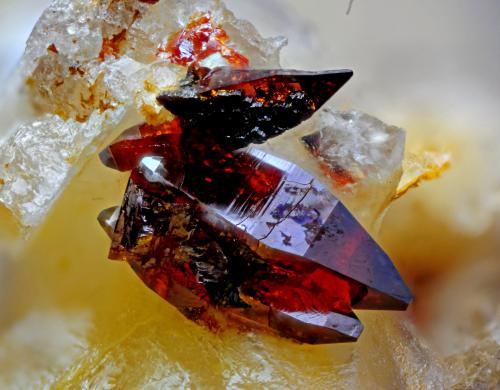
58,330
87,66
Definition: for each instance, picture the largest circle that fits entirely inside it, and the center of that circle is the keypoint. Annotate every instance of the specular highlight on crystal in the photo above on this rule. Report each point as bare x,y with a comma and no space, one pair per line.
93,68
230,234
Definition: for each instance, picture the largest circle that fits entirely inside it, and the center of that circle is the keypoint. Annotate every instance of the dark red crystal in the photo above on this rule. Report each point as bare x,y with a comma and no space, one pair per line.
242,236
236,107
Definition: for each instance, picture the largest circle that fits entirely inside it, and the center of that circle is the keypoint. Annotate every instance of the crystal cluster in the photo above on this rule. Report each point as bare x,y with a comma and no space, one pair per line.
238,235
92,68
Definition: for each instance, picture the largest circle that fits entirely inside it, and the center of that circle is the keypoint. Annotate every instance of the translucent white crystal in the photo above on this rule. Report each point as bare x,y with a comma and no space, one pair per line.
363,146
87,65
366,149
39,158
366,152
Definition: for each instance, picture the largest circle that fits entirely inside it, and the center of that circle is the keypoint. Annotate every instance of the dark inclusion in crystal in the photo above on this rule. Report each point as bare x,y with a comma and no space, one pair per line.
232,235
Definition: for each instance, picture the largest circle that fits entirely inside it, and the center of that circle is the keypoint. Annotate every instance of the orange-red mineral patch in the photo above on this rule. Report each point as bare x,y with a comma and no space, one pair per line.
200,39
112,46
52,48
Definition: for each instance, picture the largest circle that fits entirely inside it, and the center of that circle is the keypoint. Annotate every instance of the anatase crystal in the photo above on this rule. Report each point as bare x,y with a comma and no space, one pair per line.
230,234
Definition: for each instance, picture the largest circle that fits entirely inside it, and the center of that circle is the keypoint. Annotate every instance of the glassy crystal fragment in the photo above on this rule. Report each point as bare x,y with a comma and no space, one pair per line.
243,236
377,149
107,219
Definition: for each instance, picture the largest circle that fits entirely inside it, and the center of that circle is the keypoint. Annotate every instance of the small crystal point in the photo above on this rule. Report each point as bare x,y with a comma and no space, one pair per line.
316,327
128,150
107,159
355,254
107,219
110,158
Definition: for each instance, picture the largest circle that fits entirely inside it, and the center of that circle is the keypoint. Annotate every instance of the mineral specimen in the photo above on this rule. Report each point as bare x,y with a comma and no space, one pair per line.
92,68
231,234
79,322
238,107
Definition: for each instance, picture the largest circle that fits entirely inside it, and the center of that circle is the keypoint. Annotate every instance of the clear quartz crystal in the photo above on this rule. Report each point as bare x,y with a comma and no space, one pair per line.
357,156
63,331
39,157
87,66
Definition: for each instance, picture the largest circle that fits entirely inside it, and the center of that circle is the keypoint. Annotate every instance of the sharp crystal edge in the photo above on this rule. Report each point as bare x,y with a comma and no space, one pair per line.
243,106
230,234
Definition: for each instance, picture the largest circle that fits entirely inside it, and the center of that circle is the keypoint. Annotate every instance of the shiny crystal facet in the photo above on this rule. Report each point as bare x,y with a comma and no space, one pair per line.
243,236
92,68
360,156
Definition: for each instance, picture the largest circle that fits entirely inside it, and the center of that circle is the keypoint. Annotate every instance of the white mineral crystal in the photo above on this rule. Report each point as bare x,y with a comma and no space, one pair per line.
363,146
357,156
39,158
87,66
368,151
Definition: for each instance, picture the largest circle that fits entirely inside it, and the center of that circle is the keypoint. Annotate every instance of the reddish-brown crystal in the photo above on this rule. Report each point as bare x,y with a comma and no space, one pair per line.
53,49
200,39
241,235
188,262
295,286
139,141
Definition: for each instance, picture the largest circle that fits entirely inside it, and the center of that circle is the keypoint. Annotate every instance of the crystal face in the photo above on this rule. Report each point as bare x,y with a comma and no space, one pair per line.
201,42
360,157
352,146
240,236
93,68
242,106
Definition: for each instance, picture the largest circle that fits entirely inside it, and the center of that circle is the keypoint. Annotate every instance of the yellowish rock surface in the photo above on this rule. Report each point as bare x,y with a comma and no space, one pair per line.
75,319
